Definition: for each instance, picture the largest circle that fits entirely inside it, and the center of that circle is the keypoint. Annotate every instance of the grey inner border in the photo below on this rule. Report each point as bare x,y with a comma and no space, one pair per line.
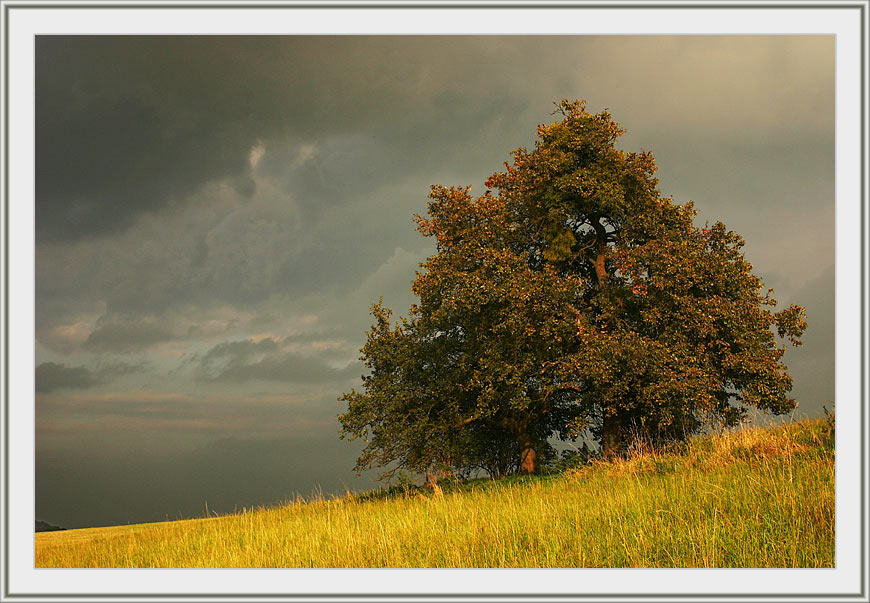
861,6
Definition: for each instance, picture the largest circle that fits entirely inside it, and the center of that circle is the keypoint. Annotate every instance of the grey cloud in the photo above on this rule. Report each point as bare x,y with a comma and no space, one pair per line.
114,333
204,256
122,405
213,362
129,125
266,360
178,415
387,117
287,367
813,364
51,376
345,316
241,350
120,369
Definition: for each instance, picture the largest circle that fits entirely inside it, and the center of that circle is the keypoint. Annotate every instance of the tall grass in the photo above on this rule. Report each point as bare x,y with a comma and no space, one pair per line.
752,498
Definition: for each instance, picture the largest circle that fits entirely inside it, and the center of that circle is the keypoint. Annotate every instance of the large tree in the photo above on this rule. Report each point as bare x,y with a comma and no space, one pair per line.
675,331
575,298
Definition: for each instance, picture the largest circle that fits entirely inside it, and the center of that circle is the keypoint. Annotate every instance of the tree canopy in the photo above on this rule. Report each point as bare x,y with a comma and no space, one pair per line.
569,299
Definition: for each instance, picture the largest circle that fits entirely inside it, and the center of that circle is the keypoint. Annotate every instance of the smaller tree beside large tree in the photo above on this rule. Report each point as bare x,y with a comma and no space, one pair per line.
474,371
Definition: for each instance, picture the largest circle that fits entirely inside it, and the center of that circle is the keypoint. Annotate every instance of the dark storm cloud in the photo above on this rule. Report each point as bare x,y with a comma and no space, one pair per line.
134,161
130,125
127,125
344,120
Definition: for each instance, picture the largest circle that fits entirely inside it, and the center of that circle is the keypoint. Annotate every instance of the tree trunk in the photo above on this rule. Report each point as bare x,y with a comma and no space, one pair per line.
611,430
600,253
527,455
611,436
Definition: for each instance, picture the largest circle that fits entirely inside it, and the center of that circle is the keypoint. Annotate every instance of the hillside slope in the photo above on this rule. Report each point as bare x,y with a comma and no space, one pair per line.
752,498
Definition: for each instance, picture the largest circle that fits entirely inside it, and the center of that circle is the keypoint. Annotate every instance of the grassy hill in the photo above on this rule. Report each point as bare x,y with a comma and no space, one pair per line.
751,498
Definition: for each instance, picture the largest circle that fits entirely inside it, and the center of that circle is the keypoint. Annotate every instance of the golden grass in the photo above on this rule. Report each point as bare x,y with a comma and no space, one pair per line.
752,498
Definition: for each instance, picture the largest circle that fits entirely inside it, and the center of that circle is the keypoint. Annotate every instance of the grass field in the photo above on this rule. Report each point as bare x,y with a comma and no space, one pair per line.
751,498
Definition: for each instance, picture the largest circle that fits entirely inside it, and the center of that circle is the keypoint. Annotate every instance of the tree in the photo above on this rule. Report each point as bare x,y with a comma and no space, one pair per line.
674,329
475,365
574,300
410,411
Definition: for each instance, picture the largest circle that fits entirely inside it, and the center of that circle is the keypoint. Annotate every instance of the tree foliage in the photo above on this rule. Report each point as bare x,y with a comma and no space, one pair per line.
574,299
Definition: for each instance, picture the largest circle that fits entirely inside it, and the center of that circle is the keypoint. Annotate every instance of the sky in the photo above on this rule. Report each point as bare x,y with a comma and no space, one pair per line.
215,216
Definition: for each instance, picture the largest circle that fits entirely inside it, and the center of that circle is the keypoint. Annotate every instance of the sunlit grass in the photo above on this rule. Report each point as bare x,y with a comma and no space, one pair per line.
752,498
